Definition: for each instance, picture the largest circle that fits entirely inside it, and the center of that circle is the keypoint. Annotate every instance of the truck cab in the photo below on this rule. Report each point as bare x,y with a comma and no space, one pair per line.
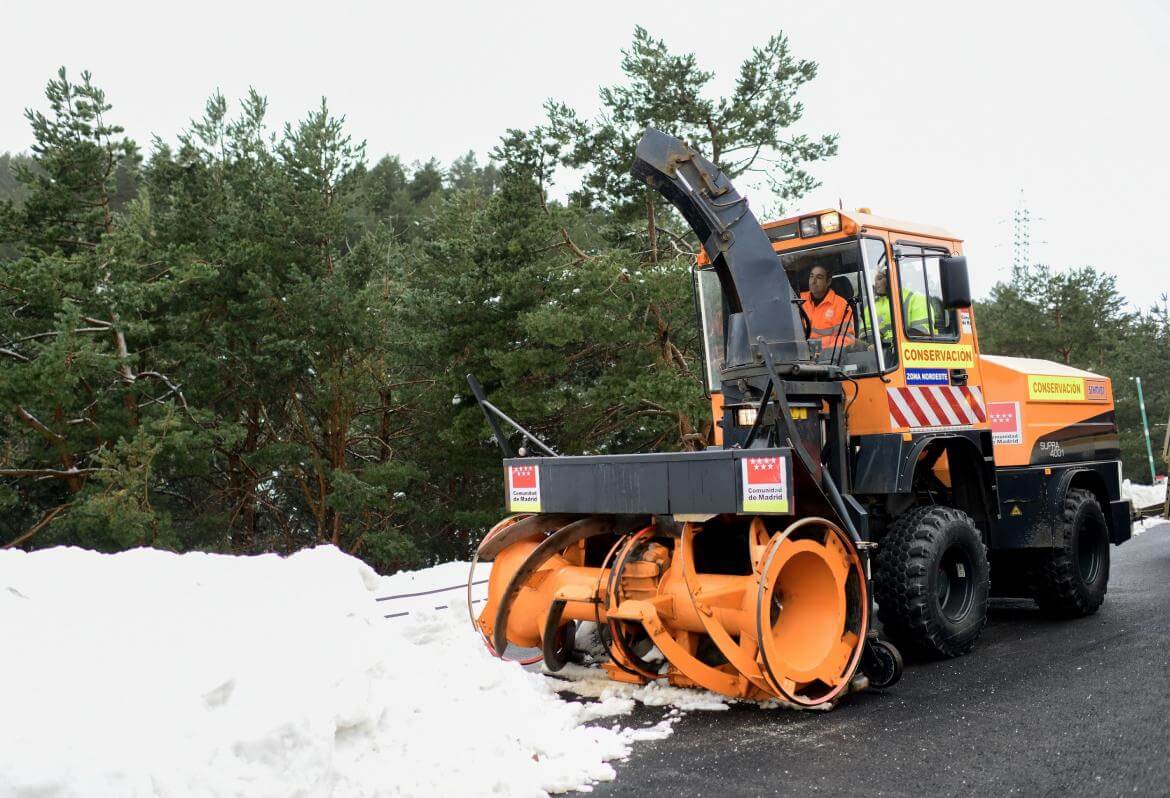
885,270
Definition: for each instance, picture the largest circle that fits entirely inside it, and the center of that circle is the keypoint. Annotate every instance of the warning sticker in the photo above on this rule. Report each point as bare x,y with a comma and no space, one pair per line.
965,321
765,484
1043,388
939,356
1005,422
524,489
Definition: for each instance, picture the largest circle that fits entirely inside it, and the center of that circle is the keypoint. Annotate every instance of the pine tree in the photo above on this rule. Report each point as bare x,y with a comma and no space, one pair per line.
1145,354
85,411
743,134
1079,318
557,325
284,346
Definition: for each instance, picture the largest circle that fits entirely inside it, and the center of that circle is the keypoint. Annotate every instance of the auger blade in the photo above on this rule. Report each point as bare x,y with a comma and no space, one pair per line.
551,546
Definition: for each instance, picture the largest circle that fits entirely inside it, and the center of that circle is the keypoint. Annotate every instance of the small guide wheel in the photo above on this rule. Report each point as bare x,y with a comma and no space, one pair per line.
882,663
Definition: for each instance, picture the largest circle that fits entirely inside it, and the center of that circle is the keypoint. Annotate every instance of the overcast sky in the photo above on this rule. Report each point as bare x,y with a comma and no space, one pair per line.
946,114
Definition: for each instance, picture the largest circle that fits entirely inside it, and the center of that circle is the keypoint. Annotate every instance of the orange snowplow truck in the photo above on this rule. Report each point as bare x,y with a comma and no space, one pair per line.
873,477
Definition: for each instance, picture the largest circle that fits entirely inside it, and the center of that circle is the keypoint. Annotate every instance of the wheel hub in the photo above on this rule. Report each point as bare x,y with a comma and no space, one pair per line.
1089,552
955,589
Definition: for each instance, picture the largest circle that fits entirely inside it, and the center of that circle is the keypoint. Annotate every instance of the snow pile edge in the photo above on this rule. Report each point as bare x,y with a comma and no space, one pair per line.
148,672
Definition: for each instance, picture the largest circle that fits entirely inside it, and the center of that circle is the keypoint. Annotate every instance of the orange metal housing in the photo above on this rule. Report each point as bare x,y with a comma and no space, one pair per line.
1042,411
793,627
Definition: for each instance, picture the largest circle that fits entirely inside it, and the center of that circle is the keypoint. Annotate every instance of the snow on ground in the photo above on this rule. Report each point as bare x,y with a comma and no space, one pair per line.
595,683
1143,496
151,673
1146,524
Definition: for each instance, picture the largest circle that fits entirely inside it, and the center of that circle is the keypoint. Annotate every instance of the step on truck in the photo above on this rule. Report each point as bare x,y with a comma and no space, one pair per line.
872,477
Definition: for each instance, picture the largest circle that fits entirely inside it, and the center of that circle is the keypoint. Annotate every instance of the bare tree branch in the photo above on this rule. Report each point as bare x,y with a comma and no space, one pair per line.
56,473
46,519
13,354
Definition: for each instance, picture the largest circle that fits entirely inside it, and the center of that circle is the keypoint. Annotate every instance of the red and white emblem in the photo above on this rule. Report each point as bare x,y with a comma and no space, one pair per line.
523,476
1005,422
764,471
524,488
936,406
765,485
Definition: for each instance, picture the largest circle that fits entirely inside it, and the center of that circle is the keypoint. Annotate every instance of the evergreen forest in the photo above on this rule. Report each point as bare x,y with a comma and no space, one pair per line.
248,338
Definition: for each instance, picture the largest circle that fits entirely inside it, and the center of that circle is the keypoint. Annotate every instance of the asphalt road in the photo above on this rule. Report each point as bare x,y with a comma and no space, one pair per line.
1039,708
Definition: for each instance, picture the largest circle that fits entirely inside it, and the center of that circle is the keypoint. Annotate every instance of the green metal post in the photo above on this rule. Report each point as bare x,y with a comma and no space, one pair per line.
1146,427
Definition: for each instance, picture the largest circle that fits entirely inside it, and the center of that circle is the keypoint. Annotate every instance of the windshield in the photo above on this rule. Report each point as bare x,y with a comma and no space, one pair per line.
838,307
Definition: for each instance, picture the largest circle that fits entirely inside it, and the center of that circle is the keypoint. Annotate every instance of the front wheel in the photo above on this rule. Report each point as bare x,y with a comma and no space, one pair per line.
1070,580
932,581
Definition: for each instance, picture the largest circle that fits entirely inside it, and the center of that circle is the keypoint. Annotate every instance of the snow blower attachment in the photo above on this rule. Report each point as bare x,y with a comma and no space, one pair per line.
772,614
701,556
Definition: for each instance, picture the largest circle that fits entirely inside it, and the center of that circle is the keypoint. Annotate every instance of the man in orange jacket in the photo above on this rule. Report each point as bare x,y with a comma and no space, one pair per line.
826,310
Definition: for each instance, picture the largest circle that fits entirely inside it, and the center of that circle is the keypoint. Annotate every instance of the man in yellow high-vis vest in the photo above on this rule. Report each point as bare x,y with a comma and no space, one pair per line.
914,309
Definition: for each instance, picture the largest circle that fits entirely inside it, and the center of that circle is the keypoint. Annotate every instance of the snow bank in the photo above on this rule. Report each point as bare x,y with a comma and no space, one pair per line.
1146,524
150,673
1143,496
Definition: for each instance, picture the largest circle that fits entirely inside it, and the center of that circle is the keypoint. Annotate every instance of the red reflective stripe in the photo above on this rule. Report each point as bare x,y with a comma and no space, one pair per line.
956,405
928,395
907,411
895,411
975,404
911,401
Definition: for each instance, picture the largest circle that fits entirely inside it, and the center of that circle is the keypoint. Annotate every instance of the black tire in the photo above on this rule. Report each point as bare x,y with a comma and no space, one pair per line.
1070,581
932,582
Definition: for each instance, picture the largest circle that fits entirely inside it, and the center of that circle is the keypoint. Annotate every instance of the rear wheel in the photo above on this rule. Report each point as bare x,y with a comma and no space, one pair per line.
1070,581
932,581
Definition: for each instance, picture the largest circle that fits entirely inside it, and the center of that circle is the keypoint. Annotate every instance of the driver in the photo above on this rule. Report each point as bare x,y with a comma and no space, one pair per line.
826,310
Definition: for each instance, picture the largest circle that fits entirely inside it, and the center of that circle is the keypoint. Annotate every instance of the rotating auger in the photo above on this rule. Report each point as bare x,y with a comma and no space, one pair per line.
784,614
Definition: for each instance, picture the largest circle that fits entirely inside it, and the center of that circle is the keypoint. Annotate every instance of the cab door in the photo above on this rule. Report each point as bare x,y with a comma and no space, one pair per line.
939,385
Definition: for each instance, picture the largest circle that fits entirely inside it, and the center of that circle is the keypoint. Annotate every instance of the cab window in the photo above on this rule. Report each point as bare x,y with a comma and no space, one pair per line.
923,314
713,319
838,325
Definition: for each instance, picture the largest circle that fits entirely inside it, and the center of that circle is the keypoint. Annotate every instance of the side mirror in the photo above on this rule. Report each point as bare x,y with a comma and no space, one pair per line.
956,284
